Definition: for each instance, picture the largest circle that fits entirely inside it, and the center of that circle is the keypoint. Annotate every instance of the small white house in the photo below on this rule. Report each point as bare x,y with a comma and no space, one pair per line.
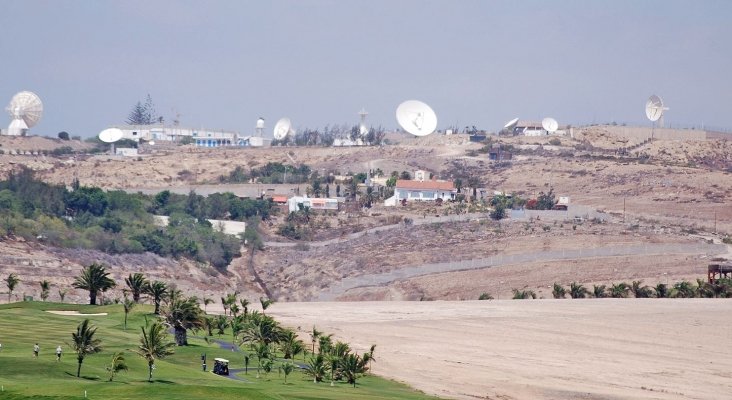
427,190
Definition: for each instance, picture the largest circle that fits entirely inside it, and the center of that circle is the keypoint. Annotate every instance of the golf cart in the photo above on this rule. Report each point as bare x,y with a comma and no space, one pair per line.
221,366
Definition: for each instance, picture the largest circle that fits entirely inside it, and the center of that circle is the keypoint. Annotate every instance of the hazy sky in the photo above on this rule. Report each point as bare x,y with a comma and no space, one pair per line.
222,64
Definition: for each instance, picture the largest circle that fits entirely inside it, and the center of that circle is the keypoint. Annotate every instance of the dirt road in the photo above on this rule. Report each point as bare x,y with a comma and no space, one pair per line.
539,349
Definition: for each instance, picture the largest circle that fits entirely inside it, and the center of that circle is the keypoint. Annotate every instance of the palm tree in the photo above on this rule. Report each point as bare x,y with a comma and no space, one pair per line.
684,289
325,343
128,305
577,291
221,324
224,304
261,328
118,364
45,289
661,290
237,325
558,291
209,323
206,302
287,368
11,281
316,368
599,291
182,314
84,342
265,303
234,309
137,284
619,290
154,345
352,365
523,294
244,306
639,290
158,290
263,353
314,335
290,345
94,278
62,294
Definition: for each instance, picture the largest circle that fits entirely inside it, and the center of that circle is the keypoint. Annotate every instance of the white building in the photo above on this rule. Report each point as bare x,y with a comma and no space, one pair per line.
427,190
293,203
200,137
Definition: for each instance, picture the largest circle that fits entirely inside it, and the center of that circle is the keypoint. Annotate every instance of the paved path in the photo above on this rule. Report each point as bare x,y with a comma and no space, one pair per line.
337,289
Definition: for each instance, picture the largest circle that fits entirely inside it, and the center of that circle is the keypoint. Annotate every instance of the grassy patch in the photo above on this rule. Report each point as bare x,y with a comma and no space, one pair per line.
177,377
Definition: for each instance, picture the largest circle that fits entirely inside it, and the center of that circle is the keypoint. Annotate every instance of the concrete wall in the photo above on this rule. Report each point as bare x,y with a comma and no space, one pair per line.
639,134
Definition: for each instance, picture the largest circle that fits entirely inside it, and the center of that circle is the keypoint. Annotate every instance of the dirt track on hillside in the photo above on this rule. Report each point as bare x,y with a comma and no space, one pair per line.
540,349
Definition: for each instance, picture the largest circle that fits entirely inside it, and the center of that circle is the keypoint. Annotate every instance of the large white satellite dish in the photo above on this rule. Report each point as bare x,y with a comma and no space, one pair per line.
110,135
510,123
25,109
550,125
654,108
416,118
282,128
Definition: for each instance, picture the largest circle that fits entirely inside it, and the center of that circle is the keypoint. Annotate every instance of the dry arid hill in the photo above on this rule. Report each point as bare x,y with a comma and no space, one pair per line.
666,191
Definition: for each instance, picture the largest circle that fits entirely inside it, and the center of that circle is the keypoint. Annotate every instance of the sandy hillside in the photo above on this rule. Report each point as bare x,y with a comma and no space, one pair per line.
541,349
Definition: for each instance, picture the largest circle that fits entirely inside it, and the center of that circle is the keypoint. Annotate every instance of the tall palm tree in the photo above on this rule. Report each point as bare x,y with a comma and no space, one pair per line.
237,325
261,328
325,342
158,290
221,324
224,304
84,342
234,309
244,306
94,278
154,345
290,345
12,282
558,291
182,314
206,302
314,335
577,291
265,303
137,283
45,289
128,305
263,353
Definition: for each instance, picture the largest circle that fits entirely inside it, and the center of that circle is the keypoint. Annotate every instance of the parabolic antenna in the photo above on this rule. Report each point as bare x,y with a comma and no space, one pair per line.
654,108
416,118
282,128
110,135
25,109
550,125
511,123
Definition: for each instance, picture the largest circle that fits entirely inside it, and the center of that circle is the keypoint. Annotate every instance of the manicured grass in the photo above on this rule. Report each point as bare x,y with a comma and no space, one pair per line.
177,377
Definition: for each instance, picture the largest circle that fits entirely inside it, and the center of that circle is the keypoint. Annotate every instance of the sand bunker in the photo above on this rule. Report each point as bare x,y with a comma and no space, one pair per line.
74,313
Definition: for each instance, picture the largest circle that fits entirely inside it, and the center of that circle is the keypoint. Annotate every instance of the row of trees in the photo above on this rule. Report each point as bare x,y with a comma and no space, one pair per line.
721,288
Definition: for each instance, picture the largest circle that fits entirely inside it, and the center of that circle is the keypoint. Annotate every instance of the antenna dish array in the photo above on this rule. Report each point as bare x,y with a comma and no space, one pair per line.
654,108
110,135
25,109
282,128
550,125
416,118
511,123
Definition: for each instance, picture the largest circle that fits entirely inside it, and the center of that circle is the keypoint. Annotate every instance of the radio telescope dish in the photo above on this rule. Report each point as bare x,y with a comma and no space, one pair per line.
654,108
510,123
550,125
416,118
25,109
282,128
110,135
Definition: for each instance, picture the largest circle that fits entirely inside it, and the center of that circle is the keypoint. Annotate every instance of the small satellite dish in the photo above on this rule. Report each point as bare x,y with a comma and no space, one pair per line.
654,108
25,109
260,123
510,123
282,128
550,125
416,118
151,143
110,135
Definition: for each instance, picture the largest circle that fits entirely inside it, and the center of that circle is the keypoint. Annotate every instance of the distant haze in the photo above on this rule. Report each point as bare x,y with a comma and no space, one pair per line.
222,64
